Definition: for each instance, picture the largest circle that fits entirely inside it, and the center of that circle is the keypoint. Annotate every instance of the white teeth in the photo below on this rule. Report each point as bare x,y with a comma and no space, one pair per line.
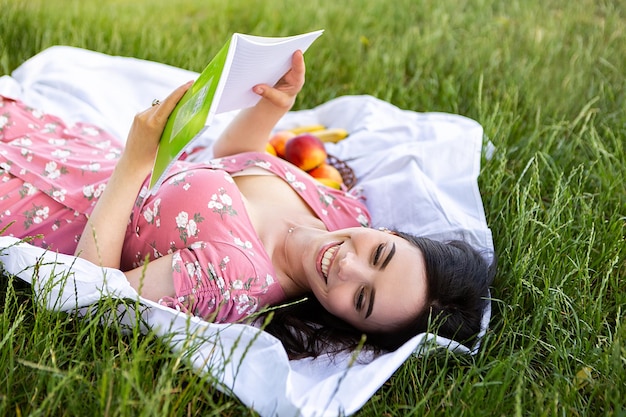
326,258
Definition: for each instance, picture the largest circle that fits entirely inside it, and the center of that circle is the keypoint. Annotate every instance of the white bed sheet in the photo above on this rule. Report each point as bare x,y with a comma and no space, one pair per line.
418,172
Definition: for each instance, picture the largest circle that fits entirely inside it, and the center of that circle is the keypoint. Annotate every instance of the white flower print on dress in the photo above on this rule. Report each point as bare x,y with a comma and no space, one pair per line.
178,178
53,171
27,154
263,164
35,216
4,120
93,167
27,190
220,282
293,180
112,155
92,192
326,198
228,178
188,227
226,200
41,214
194,270
90,131
99,190
198,245
182,219
61,154
211,272
59,194
245,245
57,141
215,163
221,285
24,142
222,203
50,127
245,304
362,219
151,214
142,193
192,228
224,262
101,144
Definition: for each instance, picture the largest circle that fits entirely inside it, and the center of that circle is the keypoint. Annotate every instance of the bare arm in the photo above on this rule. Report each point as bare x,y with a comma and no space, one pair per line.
103,236
251,128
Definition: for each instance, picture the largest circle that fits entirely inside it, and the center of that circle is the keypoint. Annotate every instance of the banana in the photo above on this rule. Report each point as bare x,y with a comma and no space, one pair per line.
333,135
307,129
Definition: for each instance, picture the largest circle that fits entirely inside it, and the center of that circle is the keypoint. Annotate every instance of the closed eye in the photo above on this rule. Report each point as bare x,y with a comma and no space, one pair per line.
392,252
377,253
359,299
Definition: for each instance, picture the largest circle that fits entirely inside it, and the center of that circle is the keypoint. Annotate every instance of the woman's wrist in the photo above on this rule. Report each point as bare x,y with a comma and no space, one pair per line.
132,170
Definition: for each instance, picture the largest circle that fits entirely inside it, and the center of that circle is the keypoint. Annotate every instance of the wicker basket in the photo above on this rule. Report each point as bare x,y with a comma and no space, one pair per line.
349,179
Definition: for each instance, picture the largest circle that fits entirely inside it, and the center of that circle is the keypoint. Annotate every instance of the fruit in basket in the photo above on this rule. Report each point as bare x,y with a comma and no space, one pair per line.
279,139
270,149
306,151
307,129
333,135
327,175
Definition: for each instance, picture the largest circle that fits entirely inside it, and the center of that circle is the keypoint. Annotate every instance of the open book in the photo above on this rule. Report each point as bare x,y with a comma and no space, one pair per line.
225,85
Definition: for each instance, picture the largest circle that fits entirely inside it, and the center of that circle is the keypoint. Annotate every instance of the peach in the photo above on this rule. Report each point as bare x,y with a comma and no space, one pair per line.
327,175
305,151
279,139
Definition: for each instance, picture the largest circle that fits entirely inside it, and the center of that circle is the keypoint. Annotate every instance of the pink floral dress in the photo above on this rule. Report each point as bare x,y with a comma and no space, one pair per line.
52,175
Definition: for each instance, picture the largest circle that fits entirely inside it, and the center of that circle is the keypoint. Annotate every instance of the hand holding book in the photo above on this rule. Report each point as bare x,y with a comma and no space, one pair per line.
250,130
226,84
284,92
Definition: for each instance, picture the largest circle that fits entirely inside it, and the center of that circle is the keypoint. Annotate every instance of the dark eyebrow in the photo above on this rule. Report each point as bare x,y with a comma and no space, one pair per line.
371,304
392,251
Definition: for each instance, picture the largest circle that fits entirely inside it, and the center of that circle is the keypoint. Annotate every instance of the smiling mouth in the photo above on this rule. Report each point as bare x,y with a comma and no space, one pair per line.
327,260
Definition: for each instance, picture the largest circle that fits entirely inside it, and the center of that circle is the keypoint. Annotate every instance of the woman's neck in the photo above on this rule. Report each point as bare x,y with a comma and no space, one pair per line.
287,254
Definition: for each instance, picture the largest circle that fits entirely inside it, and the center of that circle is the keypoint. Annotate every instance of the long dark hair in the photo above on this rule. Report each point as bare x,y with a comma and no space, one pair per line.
458,279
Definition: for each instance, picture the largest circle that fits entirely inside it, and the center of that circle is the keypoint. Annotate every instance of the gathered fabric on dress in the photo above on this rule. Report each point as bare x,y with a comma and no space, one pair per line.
52,176
220,267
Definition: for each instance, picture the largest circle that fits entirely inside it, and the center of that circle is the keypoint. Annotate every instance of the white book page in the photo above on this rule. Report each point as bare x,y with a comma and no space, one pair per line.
257,60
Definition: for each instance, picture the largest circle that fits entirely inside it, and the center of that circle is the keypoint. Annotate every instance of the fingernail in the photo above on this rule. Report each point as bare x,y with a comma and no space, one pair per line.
257,89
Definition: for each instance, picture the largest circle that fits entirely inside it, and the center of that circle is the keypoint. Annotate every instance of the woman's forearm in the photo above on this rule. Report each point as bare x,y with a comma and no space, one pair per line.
103,237
250,130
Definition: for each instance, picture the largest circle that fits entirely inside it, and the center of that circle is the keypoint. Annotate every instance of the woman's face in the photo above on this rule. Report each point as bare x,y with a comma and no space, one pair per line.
372,279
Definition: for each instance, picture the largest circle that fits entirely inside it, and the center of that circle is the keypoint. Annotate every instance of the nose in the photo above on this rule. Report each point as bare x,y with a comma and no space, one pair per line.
350,268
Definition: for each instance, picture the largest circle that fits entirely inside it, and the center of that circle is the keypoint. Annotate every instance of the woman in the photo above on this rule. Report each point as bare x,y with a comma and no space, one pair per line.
225,239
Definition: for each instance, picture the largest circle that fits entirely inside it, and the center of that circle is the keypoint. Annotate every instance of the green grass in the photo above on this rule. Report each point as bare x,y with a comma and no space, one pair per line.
546,81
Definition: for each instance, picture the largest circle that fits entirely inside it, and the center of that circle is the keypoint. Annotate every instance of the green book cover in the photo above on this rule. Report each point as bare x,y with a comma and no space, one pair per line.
225,85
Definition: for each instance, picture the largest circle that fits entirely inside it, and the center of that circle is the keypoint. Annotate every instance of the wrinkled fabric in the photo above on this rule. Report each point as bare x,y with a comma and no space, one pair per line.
418,171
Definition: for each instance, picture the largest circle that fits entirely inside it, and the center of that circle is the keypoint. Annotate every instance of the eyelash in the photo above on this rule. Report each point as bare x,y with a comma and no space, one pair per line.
359,299
377,253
